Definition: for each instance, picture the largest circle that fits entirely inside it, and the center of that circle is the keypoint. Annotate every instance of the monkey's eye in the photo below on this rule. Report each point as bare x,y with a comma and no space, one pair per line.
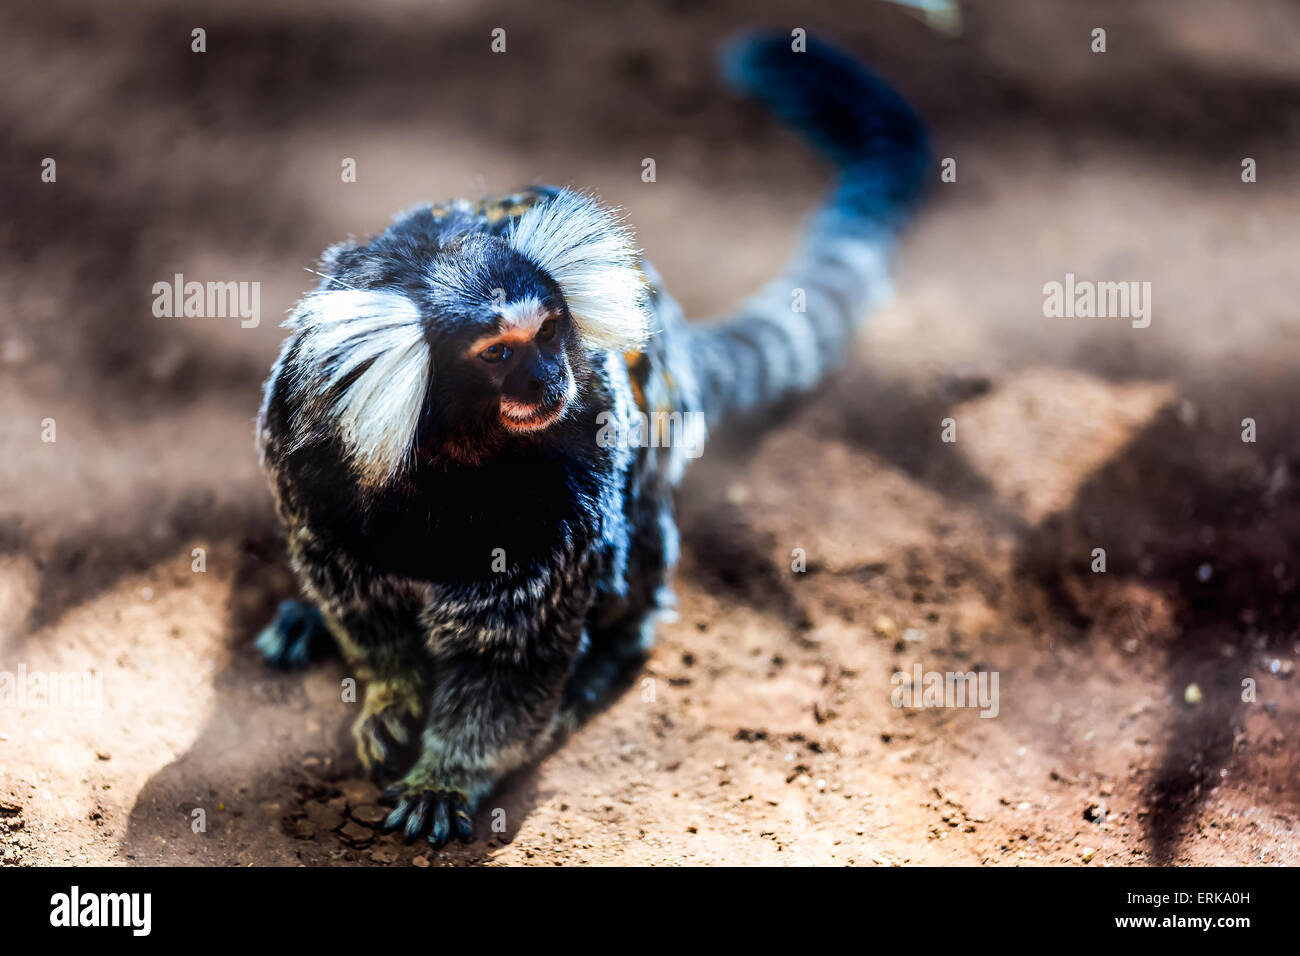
546,331
495,353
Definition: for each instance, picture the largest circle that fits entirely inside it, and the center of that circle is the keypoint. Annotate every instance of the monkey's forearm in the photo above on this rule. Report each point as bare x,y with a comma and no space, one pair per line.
492,707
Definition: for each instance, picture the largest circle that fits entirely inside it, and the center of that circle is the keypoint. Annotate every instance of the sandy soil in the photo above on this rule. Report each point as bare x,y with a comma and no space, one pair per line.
763,730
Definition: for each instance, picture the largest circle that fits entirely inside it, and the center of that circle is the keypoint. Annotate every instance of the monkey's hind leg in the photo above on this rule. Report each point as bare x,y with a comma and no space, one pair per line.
296,636
611,658
620,631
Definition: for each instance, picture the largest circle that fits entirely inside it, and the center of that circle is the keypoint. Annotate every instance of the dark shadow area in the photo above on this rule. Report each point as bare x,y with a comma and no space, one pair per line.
1209,523
77,568
902,424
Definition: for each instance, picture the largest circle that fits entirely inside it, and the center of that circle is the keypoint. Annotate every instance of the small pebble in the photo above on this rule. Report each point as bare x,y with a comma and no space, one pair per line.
356,835
369,814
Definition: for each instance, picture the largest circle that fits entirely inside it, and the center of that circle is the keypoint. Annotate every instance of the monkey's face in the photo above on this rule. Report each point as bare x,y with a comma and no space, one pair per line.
508,359
523,364
432,343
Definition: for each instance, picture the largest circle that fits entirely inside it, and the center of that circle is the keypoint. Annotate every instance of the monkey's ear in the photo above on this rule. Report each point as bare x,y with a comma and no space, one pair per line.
593,258
361,366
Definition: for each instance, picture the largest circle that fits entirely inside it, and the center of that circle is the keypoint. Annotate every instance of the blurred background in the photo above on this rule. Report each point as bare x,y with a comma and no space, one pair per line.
1123,736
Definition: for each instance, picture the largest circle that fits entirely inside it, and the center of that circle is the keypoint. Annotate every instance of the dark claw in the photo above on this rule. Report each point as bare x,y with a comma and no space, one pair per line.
296,636
464,825
415,823
441,831
439,814
396,818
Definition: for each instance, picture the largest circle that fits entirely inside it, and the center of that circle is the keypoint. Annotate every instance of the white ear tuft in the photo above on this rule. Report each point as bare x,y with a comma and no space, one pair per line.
593,259
363,364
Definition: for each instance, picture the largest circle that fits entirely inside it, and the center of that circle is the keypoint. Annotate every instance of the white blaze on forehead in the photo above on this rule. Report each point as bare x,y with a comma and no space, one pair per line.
517,323
592,258
523,318
376,340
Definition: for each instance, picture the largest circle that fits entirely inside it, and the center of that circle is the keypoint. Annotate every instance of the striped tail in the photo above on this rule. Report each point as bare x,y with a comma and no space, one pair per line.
785,338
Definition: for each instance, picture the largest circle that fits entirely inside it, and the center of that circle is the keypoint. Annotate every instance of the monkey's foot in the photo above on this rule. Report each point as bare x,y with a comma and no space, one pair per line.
381,732
296,636
424,807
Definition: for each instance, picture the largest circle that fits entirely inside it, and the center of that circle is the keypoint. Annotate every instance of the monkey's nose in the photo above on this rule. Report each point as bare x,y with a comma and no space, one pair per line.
534,386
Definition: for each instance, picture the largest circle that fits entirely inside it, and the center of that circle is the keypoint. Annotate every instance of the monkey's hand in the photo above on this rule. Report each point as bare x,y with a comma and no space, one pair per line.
497,670
435,801
488,714
382,731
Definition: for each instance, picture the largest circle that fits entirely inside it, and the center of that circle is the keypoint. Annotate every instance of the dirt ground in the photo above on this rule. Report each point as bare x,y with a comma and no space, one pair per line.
763,730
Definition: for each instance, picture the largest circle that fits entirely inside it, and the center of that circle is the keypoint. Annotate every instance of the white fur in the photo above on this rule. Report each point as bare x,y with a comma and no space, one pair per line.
591,256
339,332
518,320
522,318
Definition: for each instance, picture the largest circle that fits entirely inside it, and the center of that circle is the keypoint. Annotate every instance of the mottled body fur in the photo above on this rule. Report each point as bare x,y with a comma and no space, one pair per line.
488,582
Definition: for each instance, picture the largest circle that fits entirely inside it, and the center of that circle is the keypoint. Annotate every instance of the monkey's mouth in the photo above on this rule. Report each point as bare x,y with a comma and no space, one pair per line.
532,416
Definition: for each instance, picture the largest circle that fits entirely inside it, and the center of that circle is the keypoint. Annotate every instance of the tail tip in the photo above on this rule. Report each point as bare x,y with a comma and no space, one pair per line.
856,119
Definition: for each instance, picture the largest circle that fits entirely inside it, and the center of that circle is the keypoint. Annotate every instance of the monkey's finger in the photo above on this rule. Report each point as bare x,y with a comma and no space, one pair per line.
371,748
397,817
392,795
462,821
441,821
396,728
419,817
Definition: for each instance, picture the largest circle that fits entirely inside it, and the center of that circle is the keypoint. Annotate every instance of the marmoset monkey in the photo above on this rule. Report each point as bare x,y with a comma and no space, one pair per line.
455,435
